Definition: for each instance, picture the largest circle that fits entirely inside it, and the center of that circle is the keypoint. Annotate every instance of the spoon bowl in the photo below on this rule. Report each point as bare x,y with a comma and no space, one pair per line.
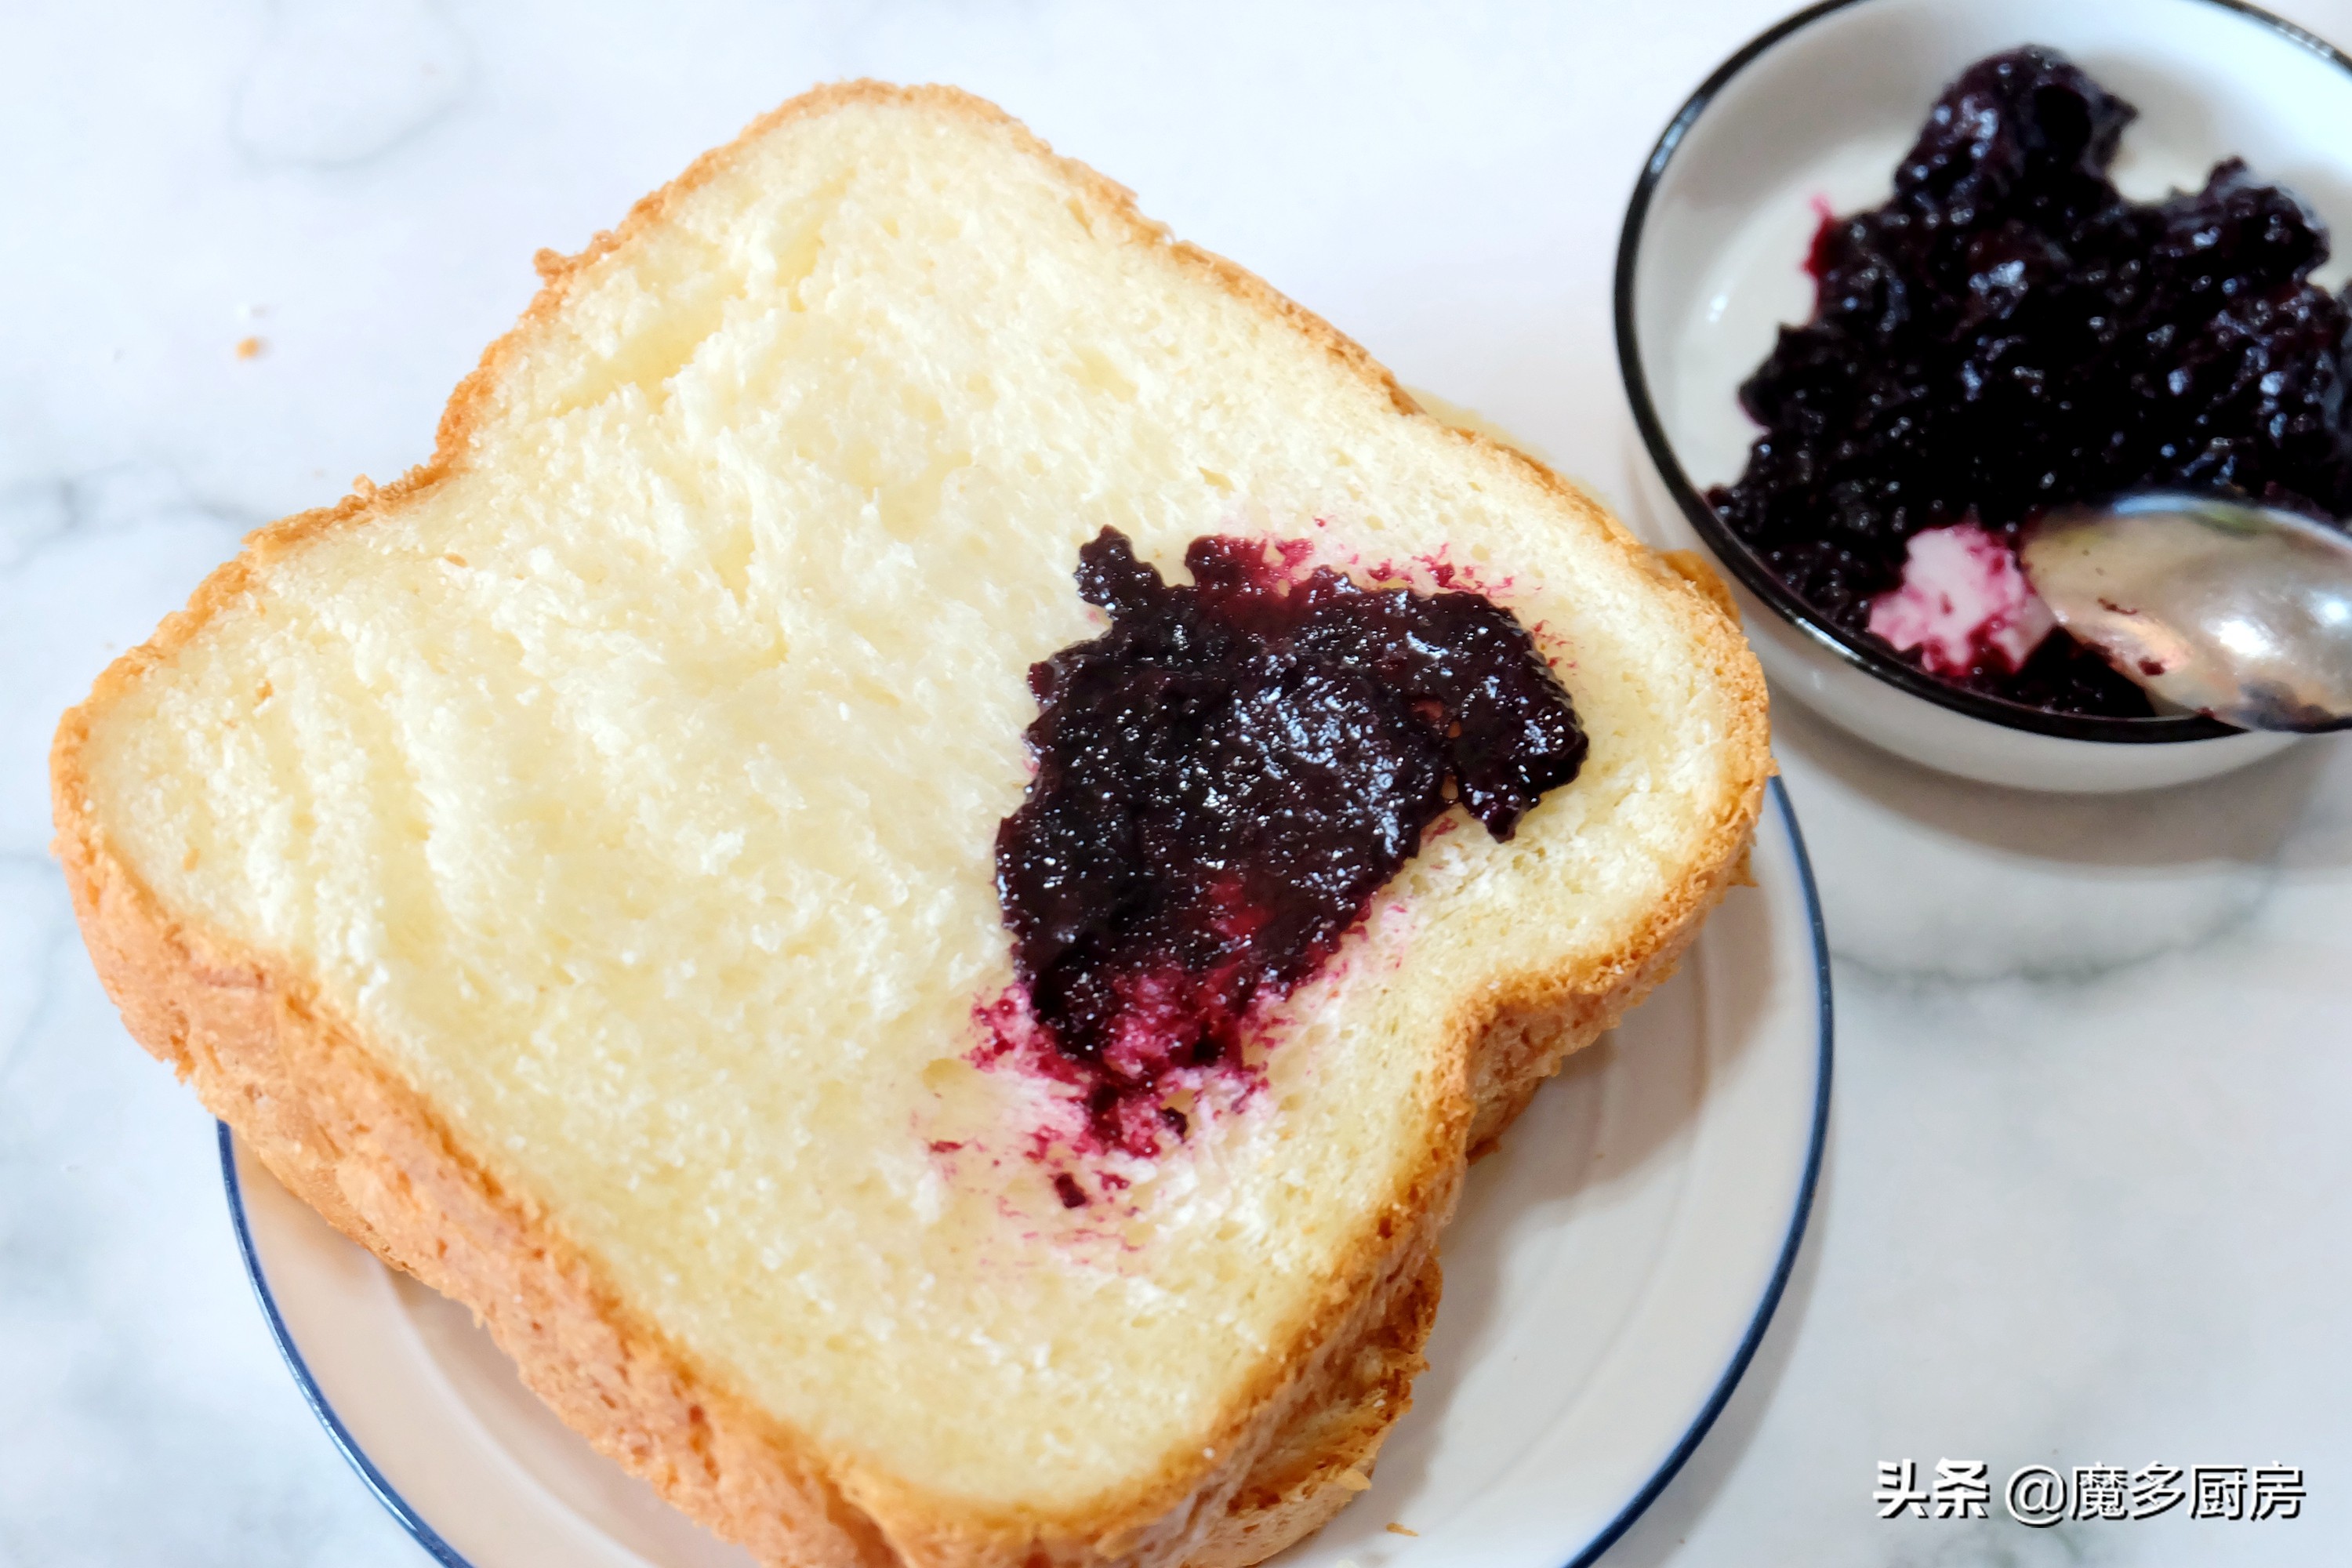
2239,611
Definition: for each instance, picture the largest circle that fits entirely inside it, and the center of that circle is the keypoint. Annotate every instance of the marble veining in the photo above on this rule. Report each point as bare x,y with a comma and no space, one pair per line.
337,82
2089,1184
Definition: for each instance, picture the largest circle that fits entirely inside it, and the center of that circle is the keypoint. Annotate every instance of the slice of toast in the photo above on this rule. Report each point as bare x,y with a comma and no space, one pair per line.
568,867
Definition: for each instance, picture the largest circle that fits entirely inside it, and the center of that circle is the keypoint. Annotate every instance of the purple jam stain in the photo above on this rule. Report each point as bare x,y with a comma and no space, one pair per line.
1825,226
1225,778
2008,333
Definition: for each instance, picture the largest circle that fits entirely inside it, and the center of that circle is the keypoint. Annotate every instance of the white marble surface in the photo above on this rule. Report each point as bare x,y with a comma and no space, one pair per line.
2087,1198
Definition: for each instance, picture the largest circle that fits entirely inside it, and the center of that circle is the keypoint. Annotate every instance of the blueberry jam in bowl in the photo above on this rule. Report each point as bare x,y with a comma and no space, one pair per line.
1865,342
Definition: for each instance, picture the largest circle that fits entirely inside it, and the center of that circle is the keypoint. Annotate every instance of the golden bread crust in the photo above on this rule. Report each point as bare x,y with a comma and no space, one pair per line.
1325,1458
267,1055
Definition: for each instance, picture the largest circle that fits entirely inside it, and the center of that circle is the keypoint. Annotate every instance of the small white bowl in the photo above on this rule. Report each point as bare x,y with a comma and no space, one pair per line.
1820,109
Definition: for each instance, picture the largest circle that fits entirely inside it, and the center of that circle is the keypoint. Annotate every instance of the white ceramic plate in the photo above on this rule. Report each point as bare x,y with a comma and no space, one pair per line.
1609,1274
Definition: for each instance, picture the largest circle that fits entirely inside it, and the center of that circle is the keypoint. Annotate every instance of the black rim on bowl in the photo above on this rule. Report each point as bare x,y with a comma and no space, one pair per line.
1858,650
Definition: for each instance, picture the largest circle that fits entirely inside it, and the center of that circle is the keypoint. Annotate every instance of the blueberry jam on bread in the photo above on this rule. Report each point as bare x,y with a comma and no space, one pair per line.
1225,779
2010,332
572,868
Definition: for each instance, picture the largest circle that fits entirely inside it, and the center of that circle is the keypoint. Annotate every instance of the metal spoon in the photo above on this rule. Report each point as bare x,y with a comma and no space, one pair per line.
2239,611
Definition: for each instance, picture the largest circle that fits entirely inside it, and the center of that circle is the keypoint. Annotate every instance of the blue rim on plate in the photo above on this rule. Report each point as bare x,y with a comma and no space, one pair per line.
1858,649
1817,1140
312,1395
443,1552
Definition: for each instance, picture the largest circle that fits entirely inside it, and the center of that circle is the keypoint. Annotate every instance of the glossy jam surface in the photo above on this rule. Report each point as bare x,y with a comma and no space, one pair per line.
1225,779
2008,332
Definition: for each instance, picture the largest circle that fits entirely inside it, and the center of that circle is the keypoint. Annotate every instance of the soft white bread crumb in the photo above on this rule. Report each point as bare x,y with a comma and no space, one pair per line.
603,818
